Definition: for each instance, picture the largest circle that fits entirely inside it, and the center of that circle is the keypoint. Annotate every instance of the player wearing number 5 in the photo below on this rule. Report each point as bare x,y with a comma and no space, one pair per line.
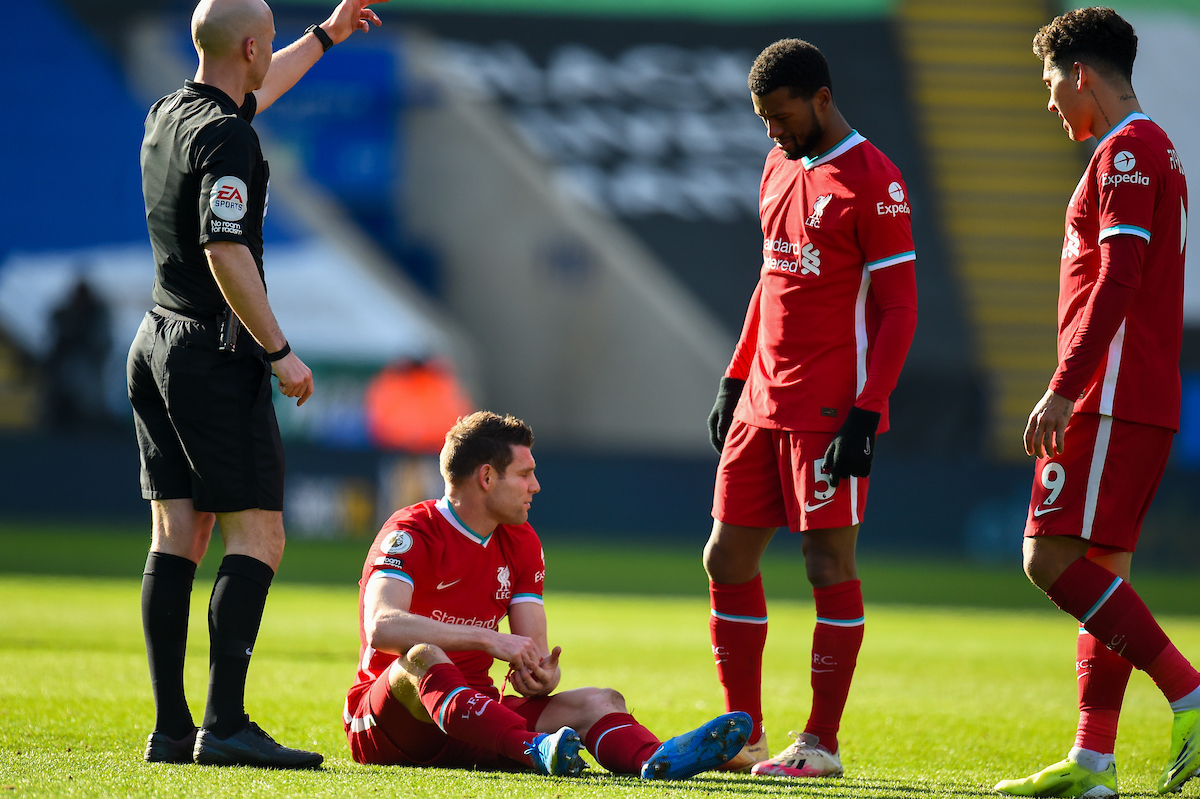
825,337
1114,399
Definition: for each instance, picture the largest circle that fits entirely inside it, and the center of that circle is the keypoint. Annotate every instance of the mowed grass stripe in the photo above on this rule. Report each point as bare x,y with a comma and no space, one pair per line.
604,564
945,702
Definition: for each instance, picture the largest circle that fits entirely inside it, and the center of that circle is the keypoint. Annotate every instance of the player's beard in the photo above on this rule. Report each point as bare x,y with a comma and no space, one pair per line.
809,145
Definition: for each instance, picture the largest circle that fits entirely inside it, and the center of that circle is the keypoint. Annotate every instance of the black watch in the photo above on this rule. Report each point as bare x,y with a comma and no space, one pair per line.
322,36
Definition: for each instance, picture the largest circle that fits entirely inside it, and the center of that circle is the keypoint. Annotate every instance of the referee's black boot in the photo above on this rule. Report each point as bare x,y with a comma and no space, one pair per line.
161,749
250,746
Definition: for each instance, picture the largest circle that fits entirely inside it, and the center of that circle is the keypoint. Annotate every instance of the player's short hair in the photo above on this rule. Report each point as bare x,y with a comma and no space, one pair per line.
791,63
483,437
1097,36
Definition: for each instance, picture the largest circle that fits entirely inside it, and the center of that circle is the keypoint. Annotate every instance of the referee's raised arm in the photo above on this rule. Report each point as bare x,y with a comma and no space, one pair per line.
290,63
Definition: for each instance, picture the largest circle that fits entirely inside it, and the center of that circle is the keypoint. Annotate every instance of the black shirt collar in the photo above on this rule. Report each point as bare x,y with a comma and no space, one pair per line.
216,94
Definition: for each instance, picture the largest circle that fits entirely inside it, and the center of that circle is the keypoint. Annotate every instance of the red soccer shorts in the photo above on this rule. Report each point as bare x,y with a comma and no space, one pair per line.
1101,487
382,732
772,478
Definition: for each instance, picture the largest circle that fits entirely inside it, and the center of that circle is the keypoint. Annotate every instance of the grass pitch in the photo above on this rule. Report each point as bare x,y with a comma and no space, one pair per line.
946,700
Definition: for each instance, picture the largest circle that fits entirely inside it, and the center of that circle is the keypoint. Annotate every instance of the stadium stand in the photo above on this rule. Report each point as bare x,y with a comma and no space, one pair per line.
1004,172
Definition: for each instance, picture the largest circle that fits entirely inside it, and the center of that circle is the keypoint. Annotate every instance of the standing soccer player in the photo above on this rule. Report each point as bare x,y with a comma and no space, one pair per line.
1115,395
200,387
825,338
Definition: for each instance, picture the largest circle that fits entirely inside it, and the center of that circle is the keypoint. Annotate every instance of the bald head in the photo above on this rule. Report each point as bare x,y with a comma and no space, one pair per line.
219,27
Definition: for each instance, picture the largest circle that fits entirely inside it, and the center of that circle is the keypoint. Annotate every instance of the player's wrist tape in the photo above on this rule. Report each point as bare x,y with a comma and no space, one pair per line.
322,36
272,357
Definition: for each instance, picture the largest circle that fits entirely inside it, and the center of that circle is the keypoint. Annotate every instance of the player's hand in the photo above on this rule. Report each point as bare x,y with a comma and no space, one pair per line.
351,16
295,379
721,417
853,448
540,680
1046,431
518,651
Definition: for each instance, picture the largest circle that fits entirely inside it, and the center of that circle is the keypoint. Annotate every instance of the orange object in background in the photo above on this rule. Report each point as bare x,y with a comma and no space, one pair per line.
410,406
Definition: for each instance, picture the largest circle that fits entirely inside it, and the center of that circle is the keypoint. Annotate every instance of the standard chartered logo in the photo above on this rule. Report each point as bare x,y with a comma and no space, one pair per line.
1070,243
810,257
809,262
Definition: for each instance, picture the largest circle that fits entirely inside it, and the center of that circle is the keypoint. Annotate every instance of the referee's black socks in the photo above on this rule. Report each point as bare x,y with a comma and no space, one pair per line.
234,614
166,597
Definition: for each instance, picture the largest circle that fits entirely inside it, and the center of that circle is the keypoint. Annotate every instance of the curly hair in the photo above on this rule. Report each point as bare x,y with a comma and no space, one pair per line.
791,63
1097,36
483,437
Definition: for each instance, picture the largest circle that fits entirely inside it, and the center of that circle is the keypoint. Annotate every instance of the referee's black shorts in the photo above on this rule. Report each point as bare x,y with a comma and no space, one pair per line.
205,424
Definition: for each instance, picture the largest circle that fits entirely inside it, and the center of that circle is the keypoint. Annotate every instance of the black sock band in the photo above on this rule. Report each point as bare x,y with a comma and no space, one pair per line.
234,614
166,599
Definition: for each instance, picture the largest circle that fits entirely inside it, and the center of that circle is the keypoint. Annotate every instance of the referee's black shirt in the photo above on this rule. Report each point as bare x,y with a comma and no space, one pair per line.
204,179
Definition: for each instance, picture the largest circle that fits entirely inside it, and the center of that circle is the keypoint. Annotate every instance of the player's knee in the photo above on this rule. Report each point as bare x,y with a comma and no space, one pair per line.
609,700
593,704
422,657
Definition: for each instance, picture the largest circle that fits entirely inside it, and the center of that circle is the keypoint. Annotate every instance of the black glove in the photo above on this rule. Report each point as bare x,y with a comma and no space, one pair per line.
851,450
722,413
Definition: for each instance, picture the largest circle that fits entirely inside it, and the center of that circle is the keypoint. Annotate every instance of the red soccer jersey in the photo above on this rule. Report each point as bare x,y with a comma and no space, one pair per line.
458,577
828,223
1120,319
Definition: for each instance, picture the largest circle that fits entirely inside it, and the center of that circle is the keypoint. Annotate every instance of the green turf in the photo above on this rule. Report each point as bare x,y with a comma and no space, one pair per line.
945,702
598,565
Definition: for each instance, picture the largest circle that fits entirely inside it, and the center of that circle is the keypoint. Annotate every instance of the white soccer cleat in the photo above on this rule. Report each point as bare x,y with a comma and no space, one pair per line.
804,757
750,755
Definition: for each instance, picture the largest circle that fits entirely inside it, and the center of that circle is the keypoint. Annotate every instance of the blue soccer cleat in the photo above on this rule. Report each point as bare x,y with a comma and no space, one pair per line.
556,754
704,748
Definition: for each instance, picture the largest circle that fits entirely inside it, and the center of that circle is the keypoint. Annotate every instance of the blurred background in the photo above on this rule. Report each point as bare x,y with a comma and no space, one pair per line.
548,208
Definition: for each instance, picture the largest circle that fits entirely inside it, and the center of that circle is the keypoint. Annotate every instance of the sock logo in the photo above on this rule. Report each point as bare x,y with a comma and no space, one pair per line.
823,660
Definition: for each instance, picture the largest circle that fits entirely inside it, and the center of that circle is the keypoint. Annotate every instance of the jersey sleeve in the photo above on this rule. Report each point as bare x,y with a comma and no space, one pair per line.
1127,188
530,577
884,224
895,292
226,154
1121,260
400,553
747,345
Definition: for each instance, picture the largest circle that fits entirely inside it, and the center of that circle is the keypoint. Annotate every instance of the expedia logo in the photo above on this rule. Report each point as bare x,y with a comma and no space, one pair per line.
1135,177
892,210
228,198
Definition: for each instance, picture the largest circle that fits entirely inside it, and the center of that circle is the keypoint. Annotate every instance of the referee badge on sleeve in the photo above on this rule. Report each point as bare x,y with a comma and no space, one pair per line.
228,198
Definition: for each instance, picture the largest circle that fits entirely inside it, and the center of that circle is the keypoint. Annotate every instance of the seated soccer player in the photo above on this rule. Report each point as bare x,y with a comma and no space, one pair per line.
438,579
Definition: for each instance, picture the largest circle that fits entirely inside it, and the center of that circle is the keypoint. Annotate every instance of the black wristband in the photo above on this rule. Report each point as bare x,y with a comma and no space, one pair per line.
272,357
322,36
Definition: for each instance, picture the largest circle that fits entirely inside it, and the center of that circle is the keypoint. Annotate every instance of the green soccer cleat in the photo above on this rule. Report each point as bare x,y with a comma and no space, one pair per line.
1066,778
1185,752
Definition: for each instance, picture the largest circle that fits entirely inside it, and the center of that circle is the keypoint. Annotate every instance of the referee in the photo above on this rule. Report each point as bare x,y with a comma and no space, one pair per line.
200,371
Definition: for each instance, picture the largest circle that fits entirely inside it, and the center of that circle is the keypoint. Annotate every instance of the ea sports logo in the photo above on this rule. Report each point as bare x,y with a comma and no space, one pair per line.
228,198
896,191
1124,161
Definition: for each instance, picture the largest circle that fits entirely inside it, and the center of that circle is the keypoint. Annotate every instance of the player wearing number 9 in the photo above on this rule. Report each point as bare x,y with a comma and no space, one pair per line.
1114,399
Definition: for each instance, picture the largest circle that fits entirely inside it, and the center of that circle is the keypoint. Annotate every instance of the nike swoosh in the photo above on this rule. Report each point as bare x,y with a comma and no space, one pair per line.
768,199
810,508
1044,511
443,586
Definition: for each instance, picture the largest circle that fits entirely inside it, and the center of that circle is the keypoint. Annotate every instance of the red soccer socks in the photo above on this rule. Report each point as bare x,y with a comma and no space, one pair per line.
620,744
1102,676
464,713
837,638
1113,612
738,629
